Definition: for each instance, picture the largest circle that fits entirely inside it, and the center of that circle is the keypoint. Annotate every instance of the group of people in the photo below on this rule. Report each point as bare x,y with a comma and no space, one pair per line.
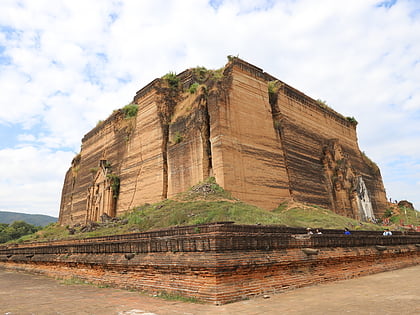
309,231
387,232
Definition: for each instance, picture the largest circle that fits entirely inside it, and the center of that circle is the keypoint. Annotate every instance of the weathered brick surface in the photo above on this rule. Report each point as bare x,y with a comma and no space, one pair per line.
218,263
263,147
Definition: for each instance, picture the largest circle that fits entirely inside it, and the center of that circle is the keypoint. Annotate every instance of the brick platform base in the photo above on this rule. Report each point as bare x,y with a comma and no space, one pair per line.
219,262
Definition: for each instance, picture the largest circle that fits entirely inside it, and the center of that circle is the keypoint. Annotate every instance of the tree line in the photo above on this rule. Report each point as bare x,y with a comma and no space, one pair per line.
16,230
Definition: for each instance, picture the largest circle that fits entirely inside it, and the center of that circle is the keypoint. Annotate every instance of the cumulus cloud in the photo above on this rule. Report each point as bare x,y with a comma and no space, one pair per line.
66,64
30,178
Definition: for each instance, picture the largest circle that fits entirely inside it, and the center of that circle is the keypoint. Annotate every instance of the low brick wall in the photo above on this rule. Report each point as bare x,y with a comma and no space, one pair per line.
219,262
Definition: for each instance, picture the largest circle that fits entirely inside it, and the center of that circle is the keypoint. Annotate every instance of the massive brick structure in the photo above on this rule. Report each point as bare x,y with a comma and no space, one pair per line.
262,140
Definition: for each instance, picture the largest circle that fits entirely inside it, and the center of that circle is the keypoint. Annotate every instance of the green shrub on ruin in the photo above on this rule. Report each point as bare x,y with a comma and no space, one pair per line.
273,87
352,120
177,138
200,73
193,88
115,184
172,79
218,74
130,110
323,104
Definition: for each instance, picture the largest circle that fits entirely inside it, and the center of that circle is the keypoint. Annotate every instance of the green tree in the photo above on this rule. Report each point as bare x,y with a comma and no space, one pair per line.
16,230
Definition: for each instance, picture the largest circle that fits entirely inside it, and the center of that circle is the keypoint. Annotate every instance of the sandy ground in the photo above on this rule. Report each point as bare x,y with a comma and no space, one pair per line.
394,292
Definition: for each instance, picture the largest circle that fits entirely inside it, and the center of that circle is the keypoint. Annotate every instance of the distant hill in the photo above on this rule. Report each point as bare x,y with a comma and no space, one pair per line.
35,219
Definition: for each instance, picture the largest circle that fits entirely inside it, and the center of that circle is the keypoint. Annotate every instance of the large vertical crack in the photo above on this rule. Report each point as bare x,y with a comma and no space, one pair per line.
165,140
273,94
169,92
205,137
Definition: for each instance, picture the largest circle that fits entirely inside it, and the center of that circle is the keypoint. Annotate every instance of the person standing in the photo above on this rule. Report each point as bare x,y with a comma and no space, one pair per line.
387,232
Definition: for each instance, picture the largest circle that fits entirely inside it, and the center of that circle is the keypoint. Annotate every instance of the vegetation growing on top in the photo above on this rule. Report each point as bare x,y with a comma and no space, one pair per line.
130,110
217,74
172,80
352,120
232,58
273,86
202,75
322,103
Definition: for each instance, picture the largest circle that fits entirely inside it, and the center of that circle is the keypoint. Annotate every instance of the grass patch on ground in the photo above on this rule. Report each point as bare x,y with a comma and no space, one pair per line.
177,297
178,213
403,214
317,217
78,281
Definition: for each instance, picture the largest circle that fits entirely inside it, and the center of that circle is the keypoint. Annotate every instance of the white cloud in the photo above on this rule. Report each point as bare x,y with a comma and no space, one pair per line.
32,178
26,138
73,62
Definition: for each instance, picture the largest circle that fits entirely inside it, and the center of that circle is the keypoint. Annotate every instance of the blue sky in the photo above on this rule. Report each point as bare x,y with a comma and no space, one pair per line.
66,64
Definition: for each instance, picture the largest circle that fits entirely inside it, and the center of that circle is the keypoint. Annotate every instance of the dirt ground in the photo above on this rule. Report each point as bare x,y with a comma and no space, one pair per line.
394,292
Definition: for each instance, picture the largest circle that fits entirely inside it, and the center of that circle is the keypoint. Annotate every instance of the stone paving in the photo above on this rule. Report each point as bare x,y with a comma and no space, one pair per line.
393,292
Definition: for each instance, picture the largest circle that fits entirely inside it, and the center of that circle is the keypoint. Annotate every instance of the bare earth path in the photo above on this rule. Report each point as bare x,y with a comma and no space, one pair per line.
394,292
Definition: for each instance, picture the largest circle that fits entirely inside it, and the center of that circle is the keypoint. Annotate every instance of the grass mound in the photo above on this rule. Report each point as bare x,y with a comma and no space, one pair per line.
207,190
205,202
298,215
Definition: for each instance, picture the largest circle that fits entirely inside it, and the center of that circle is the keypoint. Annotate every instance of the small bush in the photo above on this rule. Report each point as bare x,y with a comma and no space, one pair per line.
232,58
172,79
352,120
130,110
115,185
388,213
177,137
218,74
193,88
273,87
200,73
